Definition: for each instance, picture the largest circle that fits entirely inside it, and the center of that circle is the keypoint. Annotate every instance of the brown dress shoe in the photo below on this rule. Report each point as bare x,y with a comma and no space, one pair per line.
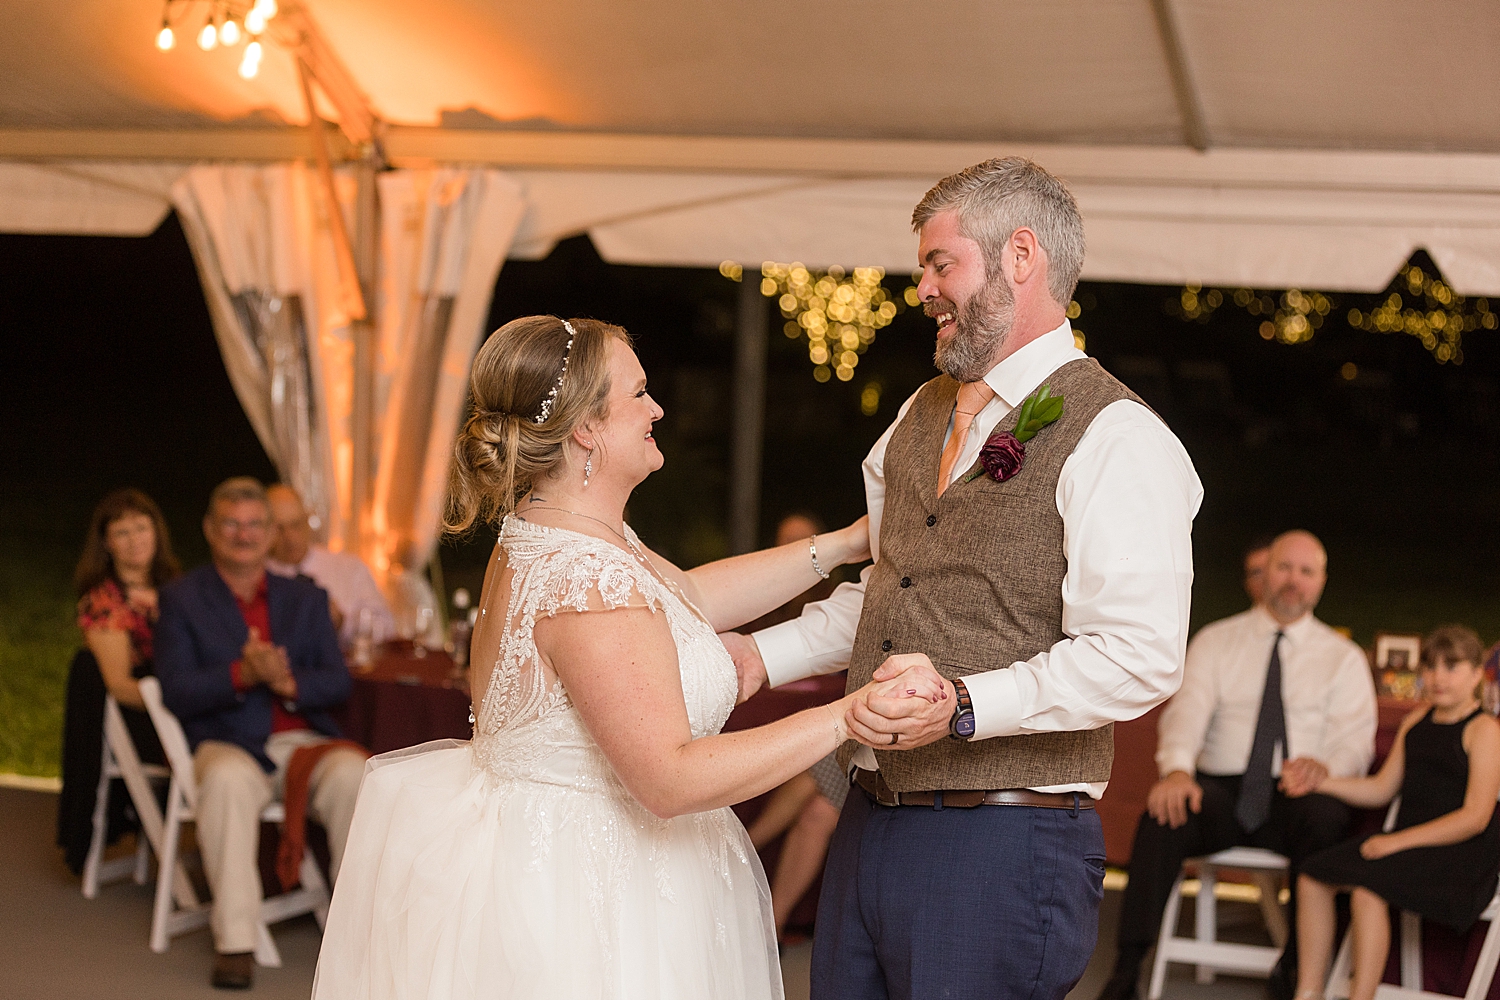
234,972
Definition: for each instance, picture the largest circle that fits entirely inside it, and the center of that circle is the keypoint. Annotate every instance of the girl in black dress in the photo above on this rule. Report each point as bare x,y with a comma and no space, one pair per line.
1443,857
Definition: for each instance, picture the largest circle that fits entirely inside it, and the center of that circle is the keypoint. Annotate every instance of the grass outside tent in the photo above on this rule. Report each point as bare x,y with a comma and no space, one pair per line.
37,632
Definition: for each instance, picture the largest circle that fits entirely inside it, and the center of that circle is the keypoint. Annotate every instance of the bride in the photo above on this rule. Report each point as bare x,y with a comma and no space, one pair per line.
581,845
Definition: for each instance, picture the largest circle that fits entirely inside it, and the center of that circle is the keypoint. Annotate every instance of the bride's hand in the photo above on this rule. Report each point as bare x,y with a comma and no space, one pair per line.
851,544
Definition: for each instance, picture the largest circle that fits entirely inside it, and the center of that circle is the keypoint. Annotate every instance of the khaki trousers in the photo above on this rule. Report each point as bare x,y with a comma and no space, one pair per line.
232,791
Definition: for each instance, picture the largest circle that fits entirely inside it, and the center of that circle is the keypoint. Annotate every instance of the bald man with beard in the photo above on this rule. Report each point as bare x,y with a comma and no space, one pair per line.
351,589
1232,761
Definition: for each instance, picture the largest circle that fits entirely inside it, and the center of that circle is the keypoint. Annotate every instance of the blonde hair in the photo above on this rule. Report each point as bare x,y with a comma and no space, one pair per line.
501,450
995,198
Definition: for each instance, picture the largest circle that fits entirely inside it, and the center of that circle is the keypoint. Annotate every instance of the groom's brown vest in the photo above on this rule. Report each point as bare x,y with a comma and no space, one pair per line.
974,580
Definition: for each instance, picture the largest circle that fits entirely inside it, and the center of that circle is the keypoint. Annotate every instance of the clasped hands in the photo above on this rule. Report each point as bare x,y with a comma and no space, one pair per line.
1173,797
263,663
907,698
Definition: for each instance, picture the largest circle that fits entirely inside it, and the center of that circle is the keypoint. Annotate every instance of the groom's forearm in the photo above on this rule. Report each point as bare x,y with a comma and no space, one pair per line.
817,642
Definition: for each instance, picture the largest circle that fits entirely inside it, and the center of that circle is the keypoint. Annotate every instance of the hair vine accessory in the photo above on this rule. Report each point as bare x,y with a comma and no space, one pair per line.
546,411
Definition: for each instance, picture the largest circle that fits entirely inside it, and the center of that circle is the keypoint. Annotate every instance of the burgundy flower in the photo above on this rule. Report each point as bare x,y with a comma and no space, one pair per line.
1002,456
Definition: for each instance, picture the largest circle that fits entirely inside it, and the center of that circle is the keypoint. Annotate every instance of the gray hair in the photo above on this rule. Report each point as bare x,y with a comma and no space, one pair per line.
995,198
236,489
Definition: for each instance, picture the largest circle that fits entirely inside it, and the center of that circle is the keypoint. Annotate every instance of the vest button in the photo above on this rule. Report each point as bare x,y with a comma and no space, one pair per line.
906,581
885,647
931,520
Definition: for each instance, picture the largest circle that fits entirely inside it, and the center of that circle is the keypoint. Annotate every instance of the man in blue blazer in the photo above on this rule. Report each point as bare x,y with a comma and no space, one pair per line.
250,664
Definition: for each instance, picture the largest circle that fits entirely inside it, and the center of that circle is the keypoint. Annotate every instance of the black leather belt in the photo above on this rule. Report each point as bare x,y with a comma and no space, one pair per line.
873,784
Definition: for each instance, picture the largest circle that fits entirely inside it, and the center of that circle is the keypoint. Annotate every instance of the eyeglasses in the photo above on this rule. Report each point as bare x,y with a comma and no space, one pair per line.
246,527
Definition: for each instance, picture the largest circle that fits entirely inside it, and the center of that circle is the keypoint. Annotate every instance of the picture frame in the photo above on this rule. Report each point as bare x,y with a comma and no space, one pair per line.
1396,660
1395,651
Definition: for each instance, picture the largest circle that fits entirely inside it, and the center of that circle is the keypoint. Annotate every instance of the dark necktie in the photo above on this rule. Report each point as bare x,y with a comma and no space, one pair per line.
1256,786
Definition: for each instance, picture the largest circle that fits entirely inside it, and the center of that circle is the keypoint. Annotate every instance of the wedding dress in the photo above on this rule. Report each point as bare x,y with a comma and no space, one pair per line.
517,865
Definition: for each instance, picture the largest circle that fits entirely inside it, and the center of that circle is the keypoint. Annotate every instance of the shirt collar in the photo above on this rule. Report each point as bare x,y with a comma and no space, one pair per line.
1018,376
1295,631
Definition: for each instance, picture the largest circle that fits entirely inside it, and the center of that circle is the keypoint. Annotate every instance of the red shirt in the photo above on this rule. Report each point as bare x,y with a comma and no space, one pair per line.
257,615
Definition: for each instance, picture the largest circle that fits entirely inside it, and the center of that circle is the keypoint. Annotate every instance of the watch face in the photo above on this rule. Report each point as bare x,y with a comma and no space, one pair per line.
964,725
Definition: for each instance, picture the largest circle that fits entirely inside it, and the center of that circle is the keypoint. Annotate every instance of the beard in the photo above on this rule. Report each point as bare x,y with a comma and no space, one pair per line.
1289,605
980,328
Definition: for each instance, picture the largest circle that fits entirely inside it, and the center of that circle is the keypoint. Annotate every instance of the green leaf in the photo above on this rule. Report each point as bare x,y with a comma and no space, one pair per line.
1027,405
1048,411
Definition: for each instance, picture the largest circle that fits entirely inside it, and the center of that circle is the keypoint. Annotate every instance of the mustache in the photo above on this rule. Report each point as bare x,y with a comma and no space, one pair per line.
936,306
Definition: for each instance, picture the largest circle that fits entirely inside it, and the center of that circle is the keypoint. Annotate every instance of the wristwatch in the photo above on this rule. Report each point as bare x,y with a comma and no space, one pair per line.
961,726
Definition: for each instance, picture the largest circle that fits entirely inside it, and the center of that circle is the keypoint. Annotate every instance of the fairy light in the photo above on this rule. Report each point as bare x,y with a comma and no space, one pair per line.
838,311
227,23
250,63
1422,305
1431,311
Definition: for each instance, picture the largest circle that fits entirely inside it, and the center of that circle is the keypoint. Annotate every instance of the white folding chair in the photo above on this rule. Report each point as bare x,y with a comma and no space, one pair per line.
120,760
168,921
1411,952
1204,949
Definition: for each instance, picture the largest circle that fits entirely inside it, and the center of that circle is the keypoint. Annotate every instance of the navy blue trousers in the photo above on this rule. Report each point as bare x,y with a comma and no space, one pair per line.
994,902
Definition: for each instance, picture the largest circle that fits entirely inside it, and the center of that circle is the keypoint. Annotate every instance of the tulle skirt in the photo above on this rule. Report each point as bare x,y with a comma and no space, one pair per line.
456,885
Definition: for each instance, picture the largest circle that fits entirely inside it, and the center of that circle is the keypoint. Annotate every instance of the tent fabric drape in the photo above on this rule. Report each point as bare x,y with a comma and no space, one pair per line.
264,248
254,238
444,236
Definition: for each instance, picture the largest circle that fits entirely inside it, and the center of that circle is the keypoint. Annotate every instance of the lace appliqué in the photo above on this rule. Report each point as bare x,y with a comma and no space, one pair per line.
528,739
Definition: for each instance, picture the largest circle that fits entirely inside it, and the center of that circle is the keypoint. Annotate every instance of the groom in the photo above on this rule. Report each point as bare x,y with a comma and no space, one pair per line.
1044,584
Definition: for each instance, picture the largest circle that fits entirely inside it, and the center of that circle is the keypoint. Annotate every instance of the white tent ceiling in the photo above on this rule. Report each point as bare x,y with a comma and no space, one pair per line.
1275,143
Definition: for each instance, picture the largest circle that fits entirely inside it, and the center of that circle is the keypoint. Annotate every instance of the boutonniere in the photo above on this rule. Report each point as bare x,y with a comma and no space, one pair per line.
1004,452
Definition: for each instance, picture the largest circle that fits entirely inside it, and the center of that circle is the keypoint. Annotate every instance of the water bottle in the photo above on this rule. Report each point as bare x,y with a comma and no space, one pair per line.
460,629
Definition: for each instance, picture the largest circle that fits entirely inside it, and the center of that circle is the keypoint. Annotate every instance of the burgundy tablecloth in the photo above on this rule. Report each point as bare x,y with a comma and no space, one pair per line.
403,700
768,705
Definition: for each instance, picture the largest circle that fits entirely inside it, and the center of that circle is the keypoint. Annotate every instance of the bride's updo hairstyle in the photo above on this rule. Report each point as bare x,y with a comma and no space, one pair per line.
503,450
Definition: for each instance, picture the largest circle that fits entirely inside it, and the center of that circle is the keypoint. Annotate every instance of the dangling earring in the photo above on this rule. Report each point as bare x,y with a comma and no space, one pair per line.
588,469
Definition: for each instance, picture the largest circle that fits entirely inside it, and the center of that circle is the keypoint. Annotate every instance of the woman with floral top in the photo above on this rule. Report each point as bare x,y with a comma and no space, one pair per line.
127,555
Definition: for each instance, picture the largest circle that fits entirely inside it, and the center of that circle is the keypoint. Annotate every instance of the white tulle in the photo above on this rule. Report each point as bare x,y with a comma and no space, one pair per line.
517,865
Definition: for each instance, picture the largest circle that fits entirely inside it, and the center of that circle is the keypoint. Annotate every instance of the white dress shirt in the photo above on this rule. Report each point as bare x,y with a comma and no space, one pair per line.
1326,691
349,585
1127,496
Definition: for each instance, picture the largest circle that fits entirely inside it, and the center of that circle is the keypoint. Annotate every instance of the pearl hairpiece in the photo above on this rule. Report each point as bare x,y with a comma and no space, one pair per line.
546,411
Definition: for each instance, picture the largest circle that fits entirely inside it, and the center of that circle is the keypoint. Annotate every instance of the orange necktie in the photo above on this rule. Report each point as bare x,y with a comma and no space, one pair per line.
972,397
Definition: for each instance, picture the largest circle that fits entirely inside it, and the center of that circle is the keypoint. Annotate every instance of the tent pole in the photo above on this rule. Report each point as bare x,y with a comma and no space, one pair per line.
749,417
362,331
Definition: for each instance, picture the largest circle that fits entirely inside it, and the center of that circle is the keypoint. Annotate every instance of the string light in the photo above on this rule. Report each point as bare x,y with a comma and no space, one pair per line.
250,63
1431,311
227,23
837,311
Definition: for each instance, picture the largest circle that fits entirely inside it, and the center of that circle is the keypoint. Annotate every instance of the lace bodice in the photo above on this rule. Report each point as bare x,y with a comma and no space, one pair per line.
526,726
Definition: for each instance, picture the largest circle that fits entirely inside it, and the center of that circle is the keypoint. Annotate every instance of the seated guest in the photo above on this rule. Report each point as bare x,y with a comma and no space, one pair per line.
1443,857
1265,693
351,588
1257,555
250,665
127,554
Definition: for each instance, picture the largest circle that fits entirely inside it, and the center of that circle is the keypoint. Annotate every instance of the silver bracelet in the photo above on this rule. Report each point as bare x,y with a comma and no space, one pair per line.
812,550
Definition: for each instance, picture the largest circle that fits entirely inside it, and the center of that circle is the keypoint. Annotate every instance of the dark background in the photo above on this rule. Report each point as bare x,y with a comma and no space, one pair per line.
111,377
